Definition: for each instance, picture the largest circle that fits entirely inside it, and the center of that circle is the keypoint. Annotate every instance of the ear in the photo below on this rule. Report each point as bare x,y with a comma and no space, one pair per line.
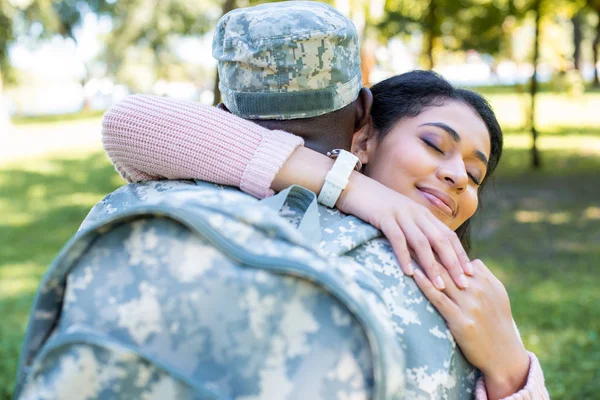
223,107
364,142
362,111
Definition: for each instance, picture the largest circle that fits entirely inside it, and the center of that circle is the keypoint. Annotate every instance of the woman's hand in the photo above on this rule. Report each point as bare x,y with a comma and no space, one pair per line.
408,225
481,321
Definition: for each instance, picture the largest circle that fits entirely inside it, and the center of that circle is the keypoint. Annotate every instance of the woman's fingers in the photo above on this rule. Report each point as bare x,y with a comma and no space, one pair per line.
440,300
478,265
420,245
394,234
459,250
439,239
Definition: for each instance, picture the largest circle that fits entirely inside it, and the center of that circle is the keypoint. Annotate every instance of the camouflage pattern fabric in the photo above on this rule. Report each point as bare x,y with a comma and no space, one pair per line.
183,320
294,59
435,366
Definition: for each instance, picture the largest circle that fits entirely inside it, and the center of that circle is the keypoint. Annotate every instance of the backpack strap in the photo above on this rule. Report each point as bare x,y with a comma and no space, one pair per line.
304,200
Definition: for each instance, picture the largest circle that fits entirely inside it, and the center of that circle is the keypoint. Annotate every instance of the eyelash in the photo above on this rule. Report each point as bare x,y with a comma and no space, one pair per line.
434,147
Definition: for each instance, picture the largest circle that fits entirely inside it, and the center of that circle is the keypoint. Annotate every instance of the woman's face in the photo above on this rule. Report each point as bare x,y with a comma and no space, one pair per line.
437,158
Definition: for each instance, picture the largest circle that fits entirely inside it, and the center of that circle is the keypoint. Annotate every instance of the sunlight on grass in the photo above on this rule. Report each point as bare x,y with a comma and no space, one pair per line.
592,213
576,143
36,156
36,192
561,155
545,342
19,279
17,219
553,109
44,166
555,218
550,291
75,199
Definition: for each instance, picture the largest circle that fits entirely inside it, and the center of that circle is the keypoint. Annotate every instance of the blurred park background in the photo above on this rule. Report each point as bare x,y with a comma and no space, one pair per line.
62,63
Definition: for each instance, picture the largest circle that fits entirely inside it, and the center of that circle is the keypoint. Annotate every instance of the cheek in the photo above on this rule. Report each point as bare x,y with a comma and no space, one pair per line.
468,205
398,169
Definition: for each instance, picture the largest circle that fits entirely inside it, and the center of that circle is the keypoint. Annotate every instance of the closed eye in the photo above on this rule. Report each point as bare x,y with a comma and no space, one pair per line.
475,180
432,146
437,149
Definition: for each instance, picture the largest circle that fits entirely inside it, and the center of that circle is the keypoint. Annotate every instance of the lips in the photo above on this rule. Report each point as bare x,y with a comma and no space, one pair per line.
440,200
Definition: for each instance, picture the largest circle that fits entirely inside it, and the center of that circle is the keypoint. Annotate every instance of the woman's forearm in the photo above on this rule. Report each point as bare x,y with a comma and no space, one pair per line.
151,137
304,167
534,388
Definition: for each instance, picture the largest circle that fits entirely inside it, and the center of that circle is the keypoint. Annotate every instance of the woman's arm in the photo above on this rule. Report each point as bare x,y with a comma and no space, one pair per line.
150,137
481,322
534,389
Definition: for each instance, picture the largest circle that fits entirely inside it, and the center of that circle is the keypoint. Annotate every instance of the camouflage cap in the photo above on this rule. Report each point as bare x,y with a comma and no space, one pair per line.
294,59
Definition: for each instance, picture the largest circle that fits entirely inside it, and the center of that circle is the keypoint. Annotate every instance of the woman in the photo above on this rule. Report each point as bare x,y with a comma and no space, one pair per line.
427,140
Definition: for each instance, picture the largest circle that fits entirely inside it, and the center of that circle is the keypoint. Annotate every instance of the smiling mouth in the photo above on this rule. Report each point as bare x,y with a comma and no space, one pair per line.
436,199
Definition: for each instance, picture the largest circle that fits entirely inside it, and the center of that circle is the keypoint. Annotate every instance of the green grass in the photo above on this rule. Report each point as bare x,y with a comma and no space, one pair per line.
545,87
539,234
60,118
42,203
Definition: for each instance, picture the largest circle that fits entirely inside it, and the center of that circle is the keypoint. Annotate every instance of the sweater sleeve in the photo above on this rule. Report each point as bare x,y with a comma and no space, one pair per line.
151,137
534,388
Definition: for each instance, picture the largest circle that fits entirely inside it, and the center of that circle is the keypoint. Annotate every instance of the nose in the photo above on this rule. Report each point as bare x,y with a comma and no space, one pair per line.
454,174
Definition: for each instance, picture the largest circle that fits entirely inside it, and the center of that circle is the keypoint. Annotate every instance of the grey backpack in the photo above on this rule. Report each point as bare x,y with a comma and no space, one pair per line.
191,291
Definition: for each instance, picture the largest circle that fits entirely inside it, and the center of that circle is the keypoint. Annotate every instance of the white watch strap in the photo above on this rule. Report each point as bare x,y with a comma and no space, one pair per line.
337,178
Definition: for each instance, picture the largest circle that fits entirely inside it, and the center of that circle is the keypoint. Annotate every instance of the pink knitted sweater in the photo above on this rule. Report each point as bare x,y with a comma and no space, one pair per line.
149,137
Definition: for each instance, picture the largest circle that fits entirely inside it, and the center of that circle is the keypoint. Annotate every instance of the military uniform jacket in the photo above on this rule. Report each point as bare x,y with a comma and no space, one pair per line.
432,365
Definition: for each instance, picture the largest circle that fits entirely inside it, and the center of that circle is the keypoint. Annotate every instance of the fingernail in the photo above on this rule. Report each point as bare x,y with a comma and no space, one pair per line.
439,283
463,281
469,268
409,269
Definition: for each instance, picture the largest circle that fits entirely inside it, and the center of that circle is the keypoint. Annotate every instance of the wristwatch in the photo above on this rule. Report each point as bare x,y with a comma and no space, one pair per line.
337,177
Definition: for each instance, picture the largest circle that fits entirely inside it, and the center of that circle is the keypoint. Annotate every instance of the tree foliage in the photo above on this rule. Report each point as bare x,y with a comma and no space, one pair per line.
448,24
143,31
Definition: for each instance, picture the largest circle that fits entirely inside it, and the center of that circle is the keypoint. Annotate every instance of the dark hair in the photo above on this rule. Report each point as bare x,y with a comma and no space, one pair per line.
407,95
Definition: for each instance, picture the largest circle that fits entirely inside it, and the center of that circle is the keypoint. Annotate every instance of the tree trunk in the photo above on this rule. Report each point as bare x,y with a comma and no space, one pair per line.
535,156
4,118
367,60
84,79
228,5
577,37
595,51
430,33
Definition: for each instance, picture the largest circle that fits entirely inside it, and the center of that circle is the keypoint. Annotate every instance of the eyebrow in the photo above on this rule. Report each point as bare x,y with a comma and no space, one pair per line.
456,137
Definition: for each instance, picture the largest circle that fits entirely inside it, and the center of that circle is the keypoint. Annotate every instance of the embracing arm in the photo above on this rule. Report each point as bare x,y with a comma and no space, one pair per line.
151,137
534,388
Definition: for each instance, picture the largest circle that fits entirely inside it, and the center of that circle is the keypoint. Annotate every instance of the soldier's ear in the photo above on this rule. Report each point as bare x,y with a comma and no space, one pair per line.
223,107
362,108
364,142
